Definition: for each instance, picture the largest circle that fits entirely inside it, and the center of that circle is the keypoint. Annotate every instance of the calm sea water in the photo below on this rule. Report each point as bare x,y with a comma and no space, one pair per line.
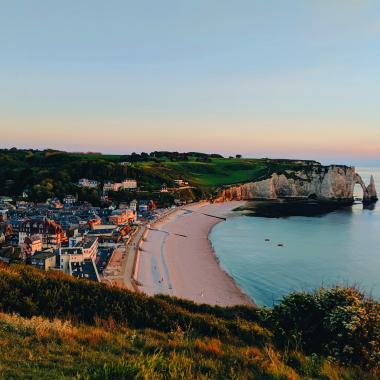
341,247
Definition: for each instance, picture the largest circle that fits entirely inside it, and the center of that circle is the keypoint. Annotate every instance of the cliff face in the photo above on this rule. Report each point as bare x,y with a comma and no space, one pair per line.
318,182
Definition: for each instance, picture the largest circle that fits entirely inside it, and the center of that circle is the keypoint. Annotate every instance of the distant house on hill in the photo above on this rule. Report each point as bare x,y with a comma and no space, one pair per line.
69,200
127,184
111,186
89,183
179,182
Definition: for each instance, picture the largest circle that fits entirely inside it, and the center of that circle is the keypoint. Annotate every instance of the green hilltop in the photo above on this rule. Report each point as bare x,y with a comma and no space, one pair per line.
50,173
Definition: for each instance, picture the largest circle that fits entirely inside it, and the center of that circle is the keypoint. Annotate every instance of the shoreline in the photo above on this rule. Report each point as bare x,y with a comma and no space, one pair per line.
177,257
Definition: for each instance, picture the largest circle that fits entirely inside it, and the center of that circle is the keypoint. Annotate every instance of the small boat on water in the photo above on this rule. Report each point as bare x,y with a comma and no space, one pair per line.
280,245
267,239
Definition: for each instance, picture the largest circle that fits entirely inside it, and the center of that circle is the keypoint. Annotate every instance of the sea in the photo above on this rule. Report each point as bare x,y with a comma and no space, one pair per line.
271,257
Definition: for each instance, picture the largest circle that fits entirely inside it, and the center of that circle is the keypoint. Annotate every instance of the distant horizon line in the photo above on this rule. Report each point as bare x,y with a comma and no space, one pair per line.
324,161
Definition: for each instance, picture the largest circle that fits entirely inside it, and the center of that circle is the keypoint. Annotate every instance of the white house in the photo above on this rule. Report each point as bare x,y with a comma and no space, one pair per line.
86,250
111,186
133,205
116,186
69,200
129,184
90,183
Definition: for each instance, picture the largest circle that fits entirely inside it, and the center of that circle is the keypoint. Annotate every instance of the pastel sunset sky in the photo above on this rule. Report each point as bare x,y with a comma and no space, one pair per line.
285,78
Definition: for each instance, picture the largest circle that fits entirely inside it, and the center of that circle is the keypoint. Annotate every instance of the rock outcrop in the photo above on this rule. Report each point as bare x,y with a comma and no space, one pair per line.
370,195
330,183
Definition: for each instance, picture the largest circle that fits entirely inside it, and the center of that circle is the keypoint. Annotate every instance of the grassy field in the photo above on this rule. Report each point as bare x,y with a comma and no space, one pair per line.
219,171
38,348
53,326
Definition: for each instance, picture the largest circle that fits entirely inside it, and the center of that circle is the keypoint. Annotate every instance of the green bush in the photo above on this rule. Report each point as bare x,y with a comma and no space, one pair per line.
340,323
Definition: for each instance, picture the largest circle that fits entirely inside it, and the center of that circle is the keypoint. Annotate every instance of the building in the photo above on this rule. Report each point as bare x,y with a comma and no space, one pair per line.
69,200
44,260
3,215
180,182
85,250
51,233
56,203
129,184
67,256
90,246
120,217
31,245
102,231
75,238
117,186
16,224
111,186
90,183
85,270
133,205
143,206
94,220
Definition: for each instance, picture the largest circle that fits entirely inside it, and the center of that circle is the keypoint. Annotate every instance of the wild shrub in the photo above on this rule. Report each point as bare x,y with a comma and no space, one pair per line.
340,323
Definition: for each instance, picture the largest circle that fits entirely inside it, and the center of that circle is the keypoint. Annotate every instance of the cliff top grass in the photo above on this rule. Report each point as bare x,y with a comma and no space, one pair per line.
53,326
49,173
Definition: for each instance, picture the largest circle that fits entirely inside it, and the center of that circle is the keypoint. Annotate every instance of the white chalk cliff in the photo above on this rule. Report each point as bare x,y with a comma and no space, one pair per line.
335,182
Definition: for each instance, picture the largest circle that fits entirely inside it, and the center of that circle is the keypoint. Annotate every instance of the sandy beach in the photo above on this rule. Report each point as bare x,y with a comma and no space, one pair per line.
177,258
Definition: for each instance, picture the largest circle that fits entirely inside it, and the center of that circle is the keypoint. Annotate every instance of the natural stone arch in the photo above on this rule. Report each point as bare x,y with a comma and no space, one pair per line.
369,192
359,181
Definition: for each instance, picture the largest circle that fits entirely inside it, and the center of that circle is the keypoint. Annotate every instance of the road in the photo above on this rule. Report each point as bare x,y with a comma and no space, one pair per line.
119,271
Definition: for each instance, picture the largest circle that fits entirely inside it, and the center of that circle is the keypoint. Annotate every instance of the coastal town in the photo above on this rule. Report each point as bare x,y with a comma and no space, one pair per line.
189,190
97,243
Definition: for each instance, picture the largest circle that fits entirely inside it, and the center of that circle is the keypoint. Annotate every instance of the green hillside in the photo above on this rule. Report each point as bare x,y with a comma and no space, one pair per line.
217,172
53,326
49,173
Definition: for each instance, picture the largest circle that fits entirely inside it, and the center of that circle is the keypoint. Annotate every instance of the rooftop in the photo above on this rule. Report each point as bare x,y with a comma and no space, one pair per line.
90,242
85,269
43,255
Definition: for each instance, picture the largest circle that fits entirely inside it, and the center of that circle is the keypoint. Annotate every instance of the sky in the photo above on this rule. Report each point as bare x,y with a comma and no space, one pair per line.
285,78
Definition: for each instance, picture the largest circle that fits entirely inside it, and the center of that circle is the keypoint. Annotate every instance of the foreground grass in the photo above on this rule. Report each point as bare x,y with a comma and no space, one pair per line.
38,348
53,326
